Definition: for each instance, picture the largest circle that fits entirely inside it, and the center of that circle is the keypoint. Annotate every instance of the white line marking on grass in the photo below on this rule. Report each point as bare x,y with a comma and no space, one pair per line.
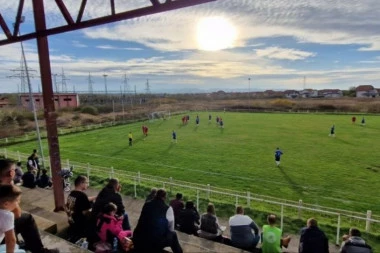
308,187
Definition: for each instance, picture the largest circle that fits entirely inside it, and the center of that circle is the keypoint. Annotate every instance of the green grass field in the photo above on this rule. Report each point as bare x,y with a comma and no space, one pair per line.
340,172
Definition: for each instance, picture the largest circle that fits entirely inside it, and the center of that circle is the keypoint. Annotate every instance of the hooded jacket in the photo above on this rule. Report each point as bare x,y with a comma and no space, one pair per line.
355,244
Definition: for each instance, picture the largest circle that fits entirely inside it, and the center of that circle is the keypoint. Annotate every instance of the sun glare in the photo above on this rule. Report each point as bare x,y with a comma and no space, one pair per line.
215,33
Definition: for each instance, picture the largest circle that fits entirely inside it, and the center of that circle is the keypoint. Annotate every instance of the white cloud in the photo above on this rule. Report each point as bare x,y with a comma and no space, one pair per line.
118,48
283,53
76,43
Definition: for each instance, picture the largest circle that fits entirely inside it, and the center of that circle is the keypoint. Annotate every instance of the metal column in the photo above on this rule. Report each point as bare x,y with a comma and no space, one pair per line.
49,110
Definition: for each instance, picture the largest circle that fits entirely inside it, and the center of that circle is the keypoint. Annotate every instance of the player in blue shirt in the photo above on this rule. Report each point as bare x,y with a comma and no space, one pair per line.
277,156
174,134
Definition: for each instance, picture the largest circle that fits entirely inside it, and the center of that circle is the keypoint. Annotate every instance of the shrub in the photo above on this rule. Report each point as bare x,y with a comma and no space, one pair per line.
89,110
326,107
76,116
104,108
282,103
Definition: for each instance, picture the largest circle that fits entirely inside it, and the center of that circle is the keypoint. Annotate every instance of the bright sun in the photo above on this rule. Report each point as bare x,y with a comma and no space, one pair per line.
215,33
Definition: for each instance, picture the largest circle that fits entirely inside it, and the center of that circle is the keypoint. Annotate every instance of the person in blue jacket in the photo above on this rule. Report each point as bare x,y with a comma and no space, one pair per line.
277,156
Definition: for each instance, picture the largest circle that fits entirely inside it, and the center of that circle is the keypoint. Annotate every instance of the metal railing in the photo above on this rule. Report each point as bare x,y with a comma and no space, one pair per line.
199,192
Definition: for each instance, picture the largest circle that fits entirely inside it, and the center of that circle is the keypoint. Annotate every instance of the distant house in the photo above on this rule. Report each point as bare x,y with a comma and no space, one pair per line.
330,93
291,93
365,91
4,101
61,100
308,93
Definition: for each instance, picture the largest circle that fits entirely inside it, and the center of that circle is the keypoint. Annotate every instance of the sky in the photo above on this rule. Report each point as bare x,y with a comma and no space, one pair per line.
230,45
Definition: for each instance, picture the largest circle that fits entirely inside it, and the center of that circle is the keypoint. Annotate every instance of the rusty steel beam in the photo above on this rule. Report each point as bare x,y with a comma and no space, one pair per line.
65,12
155,2
113,7
49,110
167,6
81,10
18,18
5,27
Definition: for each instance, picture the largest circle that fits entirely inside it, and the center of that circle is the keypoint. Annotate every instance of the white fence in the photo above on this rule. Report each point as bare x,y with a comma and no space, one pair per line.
198,192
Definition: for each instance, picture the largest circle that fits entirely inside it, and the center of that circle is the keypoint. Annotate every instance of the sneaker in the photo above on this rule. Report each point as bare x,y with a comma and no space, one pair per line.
45,250
285,241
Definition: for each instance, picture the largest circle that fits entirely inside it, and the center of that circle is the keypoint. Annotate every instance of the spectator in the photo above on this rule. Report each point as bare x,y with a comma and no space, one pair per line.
271,237
177,205
110,226
24,222
9,200
155,228
18,174
151,195
313,239
78,208
241,227
29,178
44,181
111,194
32,162
189,219
353,243
210,228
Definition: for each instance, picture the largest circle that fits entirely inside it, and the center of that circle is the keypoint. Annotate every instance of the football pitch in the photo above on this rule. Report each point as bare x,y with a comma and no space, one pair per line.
341,172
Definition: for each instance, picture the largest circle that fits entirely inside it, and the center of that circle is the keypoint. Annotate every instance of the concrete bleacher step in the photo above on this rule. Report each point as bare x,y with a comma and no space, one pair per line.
40,202
192,243
51,241
45,224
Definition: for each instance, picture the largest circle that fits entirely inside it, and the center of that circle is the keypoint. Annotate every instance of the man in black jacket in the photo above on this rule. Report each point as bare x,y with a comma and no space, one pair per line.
313,240
155,228
188,218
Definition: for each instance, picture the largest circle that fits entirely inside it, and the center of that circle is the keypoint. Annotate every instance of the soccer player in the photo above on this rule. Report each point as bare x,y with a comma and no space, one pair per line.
130,137
277,156
209,118
174,135
332,131
353,120
363,121
197,120
221,123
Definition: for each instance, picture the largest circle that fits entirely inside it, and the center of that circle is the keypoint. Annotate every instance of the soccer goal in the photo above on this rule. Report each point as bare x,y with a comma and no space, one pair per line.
161,115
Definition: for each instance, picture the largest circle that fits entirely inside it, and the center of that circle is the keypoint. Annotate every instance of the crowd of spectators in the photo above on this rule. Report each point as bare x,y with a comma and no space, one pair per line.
34,175
103,220
13,221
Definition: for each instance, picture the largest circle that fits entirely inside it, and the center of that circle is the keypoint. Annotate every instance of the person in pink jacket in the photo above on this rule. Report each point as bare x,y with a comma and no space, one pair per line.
109,224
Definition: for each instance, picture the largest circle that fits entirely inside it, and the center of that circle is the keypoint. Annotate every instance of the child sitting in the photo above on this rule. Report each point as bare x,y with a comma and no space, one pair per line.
44,181
9,200
109,224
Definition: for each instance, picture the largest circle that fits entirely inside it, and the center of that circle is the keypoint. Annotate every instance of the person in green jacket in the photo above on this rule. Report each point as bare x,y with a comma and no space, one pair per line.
271,237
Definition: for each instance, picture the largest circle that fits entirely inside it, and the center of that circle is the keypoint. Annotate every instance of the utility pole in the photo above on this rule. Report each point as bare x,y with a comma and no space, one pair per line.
90,84
147,86
31,99
21,73
64,79
249,92
125,82
55,83
105,83
304,82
